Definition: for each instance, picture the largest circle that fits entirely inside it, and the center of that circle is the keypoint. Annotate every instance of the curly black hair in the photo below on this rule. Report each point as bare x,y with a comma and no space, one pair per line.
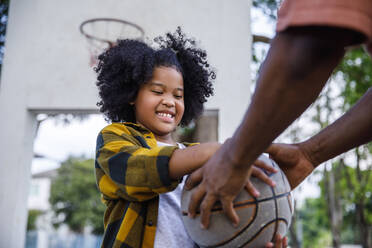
129,64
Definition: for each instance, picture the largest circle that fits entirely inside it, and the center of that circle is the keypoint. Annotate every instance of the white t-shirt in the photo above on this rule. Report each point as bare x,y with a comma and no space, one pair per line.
170,231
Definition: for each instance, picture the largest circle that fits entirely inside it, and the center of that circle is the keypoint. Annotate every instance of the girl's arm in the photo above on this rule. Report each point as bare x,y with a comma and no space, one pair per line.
127,167
185,161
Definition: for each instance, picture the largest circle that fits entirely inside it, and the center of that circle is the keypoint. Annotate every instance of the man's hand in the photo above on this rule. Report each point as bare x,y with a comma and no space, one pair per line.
293,160
222,181
257,172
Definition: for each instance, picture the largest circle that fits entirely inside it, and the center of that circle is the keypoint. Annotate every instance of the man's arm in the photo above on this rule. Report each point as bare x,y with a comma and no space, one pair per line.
297,66
351,130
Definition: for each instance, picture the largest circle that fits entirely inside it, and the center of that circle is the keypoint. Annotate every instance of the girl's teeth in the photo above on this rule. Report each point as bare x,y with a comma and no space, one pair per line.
165,115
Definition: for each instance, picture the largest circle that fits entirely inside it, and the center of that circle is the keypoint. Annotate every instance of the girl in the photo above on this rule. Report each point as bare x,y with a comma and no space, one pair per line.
146,93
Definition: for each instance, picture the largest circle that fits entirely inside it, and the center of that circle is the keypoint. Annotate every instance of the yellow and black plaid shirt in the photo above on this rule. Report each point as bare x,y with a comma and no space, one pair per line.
131,172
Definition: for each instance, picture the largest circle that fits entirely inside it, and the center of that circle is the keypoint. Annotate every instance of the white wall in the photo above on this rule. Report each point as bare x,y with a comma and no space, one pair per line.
46,69
38,197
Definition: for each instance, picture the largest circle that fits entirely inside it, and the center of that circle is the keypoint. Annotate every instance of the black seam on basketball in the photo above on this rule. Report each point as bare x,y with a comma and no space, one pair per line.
241,204
276,213
262,228
289,202
274,197
274,166
237,234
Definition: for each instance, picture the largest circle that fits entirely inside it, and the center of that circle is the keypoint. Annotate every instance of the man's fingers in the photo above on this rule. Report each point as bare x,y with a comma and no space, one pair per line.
196,198
205,210
263,165
194,179
228,208
272,149
262,176
251,189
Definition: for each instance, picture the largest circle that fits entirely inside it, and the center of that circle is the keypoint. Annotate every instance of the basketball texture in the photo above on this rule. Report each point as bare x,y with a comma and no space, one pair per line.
260,218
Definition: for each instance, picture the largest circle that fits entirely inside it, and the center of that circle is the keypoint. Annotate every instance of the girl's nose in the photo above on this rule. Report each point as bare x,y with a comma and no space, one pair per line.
167,102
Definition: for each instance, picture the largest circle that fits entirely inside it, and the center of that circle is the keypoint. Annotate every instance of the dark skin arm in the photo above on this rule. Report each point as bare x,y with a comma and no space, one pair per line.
336,139
185,161
297,67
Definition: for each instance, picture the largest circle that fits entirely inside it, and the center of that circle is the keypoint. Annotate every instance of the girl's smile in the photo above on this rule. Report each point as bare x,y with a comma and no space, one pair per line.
166,116
159,105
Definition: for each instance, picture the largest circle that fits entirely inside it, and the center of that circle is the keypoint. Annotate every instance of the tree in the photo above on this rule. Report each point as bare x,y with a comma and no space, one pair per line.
4,6
356,71
316,223
325,109
267,7
33,214
74,196
357,195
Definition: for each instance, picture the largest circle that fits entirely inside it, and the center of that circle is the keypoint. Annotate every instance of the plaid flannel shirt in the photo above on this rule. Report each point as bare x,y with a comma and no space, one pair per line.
131,172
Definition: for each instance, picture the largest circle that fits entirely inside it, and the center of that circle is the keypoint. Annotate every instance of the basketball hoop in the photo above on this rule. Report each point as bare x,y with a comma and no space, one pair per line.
103,33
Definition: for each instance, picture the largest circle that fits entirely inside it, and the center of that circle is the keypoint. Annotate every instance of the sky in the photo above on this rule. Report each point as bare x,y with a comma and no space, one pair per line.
56,141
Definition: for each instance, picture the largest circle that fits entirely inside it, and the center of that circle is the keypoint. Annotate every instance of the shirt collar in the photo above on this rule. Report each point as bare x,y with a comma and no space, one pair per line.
137,127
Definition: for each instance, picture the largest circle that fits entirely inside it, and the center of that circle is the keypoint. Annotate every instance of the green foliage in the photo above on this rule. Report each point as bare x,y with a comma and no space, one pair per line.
356,186
353,185
356,71
32,217
4,7
351,191
356,190
74,196
268,7
315,222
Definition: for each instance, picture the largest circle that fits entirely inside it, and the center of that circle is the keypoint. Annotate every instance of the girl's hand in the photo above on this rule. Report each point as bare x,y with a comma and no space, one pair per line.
279,242
257,171
211,148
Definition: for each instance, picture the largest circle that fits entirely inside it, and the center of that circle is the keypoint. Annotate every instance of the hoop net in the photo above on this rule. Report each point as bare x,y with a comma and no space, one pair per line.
103,33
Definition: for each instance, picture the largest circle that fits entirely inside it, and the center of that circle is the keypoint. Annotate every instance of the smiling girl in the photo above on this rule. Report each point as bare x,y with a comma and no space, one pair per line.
146,93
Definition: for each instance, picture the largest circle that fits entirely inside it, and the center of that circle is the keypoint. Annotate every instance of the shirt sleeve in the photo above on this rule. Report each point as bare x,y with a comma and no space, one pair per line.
131,171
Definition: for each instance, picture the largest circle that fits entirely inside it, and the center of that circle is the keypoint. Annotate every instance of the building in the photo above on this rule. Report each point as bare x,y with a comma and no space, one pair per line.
40,190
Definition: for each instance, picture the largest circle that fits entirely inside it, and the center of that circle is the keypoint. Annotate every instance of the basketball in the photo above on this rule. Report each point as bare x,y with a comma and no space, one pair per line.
260,218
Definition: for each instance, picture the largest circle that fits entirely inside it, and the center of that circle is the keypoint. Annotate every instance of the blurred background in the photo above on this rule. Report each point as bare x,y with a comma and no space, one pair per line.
48,195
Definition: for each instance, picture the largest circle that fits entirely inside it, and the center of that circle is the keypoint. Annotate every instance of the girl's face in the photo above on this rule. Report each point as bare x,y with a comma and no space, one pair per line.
159,105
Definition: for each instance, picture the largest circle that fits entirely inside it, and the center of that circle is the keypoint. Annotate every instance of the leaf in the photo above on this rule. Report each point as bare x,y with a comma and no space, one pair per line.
75,198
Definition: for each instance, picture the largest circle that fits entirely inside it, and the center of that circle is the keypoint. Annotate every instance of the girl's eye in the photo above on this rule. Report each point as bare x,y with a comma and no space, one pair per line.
157,92
178,97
